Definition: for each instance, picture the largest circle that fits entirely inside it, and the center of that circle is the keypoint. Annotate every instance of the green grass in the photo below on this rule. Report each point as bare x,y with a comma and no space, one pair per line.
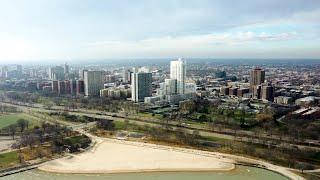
8,159
8,119
75,139
119,125
211,138
132,127
149,115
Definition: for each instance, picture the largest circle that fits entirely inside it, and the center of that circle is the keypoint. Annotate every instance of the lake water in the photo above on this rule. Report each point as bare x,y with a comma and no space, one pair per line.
240,173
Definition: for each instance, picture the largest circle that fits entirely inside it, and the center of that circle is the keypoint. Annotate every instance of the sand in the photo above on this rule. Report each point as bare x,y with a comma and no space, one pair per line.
120,156
114,156
6,143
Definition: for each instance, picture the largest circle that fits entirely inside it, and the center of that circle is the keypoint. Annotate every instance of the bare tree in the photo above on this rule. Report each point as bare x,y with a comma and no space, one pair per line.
20,155
28,139
23,124
12,129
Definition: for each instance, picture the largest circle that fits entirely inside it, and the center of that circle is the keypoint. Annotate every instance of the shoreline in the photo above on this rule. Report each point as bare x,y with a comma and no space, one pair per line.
127,156
137,171
226,162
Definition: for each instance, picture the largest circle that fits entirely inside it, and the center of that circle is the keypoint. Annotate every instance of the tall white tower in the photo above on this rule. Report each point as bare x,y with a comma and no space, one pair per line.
178,72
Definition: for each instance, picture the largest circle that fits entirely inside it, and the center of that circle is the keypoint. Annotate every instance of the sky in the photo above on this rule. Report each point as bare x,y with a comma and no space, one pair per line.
71,30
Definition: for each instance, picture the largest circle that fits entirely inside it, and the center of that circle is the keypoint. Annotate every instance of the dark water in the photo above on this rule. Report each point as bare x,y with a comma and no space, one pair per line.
240,173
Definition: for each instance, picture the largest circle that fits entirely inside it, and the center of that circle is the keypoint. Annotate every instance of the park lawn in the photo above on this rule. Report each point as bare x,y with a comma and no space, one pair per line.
8,119
8,159
119,125
195,124
149,115
212,138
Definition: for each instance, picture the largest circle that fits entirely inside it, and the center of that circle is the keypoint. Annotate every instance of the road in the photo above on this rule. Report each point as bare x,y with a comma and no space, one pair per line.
196,126
153,122
37,111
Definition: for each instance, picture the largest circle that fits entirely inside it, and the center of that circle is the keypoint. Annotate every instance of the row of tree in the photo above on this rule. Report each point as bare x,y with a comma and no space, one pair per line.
20,126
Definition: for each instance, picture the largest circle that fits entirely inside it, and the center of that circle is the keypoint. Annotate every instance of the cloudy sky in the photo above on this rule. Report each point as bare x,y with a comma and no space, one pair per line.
103,29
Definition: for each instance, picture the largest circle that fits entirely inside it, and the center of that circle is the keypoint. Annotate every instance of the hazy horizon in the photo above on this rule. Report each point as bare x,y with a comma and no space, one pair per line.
153,61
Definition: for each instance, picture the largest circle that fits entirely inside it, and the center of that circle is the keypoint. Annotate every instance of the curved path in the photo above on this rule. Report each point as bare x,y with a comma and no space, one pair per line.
115,156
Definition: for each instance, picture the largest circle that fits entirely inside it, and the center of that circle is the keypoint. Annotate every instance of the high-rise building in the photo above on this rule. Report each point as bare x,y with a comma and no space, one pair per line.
141,86
68,86
55,86
257,76
73,87
256,92
126,76
4,71
61,87
81,73
170,86
79,87
56,73
178,72
93,82
66,71
268,92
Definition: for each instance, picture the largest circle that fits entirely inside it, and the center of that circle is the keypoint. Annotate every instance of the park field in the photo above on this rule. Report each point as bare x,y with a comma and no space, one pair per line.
8,159
8,119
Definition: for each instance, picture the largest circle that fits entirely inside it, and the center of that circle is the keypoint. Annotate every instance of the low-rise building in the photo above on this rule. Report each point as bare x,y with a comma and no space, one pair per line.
306,101
115,92
283,100
242,91
152,100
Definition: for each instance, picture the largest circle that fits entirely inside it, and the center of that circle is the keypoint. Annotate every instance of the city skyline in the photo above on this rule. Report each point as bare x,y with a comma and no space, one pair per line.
271,110
150,89
71,31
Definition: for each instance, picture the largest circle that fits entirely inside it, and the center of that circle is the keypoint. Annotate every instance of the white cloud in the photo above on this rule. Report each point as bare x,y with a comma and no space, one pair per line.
249,36
174,45
13,47
302,18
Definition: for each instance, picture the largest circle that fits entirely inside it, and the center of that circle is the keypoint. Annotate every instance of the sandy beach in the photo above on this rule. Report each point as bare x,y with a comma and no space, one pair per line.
6,143
119,156
114,156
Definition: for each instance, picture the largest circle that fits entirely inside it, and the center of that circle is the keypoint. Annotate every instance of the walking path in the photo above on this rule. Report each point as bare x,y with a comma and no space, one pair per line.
116,156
